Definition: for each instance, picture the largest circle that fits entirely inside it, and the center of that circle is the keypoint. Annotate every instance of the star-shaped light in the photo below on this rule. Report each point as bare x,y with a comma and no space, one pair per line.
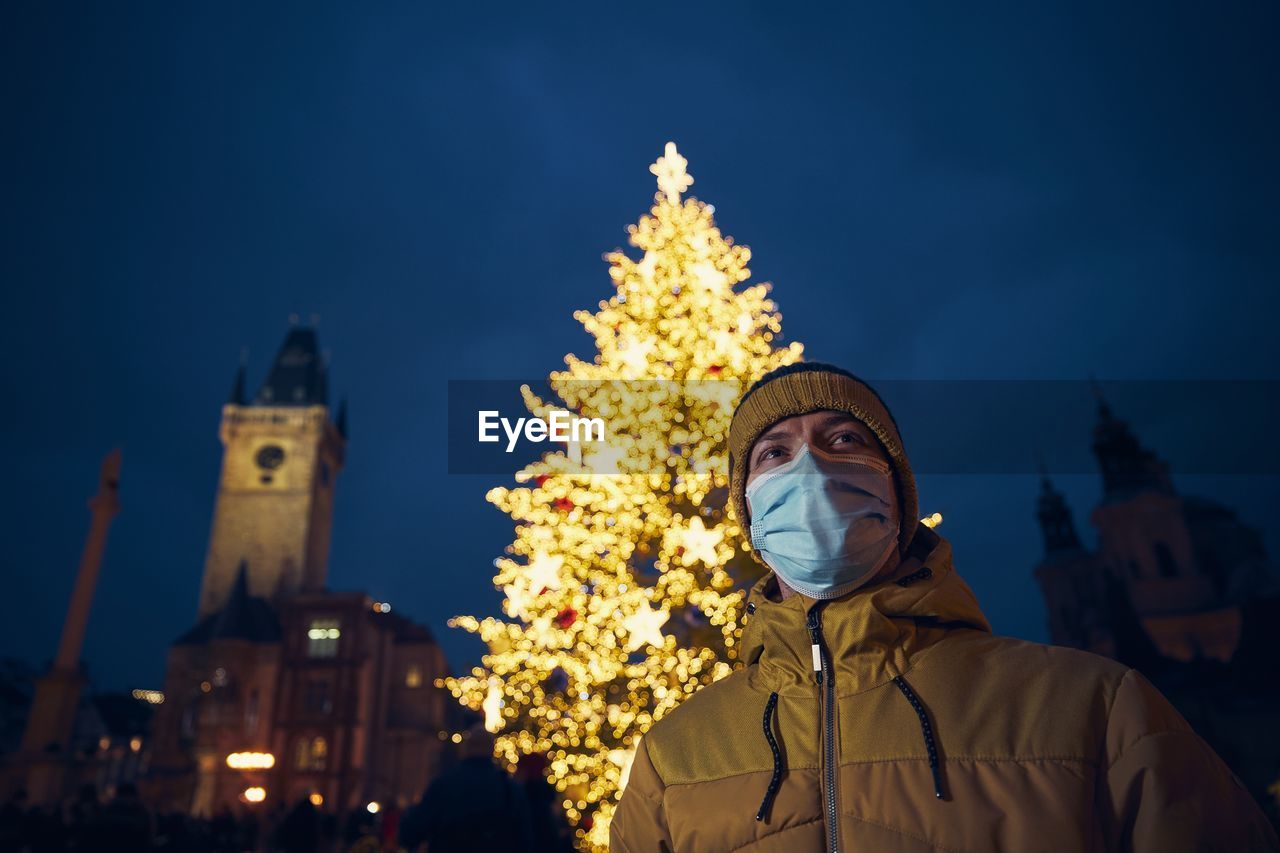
518,599
710,278
544,572
700,544
671,174
647,266
644,627
635,355
603,458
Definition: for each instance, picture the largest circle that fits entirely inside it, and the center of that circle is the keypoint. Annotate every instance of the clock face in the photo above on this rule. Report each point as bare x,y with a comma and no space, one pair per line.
270,457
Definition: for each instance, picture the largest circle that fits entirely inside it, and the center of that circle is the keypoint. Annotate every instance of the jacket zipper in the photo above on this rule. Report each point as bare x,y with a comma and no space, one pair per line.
821,668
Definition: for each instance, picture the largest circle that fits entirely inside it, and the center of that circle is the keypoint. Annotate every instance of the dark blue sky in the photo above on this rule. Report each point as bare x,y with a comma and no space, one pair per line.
1037,191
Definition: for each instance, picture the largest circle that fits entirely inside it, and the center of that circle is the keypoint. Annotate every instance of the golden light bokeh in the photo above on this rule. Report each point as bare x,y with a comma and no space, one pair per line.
624,583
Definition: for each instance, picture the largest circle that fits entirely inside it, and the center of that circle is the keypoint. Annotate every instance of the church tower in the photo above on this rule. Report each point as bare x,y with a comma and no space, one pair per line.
1068,575
281,456
1144,540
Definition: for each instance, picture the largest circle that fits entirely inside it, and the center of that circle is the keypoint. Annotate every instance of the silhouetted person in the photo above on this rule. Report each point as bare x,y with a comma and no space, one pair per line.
474,806
547,823
225,831
299,832
46,833
13,821
124,824
82,819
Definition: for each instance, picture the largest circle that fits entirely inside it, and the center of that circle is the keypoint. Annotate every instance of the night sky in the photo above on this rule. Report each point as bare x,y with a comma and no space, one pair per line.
945,192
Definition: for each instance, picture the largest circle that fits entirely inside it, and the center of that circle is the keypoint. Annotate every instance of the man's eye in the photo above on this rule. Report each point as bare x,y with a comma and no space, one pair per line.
771,453
843,437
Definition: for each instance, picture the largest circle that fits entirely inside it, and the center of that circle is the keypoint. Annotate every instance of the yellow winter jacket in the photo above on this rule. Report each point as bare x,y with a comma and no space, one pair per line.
892,720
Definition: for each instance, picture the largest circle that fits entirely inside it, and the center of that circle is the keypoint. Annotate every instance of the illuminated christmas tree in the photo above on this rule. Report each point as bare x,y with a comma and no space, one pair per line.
624,584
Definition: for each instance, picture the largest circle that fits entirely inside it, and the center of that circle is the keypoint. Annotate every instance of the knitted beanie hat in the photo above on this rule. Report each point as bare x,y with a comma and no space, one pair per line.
804,387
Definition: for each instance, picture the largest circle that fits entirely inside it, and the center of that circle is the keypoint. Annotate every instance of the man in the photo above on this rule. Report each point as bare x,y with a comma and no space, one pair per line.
876,710
474,806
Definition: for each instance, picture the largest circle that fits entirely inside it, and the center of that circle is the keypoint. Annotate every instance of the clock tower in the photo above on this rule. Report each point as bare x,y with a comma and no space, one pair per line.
281,456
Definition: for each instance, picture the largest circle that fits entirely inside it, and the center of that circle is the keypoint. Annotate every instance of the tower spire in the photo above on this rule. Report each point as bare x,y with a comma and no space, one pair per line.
1056,523
297,376
1127,466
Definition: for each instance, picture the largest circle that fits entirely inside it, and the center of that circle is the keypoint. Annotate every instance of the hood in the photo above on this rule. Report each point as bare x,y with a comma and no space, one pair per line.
873,634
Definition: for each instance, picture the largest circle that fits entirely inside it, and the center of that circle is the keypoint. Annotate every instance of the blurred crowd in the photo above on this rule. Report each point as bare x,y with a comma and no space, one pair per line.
474,806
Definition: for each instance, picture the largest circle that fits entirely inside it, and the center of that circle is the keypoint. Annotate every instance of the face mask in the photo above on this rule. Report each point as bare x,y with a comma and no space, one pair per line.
825,524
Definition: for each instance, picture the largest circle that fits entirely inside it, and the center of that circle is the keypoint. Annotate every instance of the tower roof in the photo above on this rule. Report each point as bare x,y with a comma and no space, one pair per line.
1055,519
237,397
243,617
298,376
1127,466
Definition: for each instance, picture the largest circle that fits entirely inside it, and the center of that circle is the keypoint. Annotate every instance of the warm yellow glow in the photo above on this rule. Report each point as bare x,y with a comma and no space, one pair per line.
671,174
373,807
135,744
492,705
932,520
624,585
251,761
316,798
151,697
255,794
413,676
104,743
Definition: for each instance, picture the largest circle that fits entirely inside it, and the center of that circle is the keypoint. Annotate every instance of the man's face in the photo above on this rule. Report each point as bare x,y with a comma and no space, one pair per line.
834,433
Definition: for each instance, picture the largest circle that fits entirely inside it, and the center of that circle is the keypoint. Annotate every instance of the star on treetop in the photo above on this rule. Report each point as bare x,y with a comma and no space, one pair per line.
671,174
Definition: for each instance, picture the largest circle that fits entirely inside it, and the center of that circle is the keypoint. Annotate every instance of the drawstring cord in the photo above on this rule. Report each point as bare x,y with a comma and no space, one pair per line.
934,765
769,708
926,728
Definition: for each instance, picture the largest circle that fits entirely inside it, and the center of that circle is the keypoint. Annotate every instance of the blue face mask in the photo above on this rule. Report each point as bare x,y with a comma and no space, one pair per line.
825,524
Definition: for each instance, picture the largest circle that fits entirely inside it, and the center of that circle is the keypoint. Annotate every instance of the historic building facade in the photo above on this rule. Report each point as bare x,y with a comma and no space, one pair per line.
284,690
1178,588
1185,565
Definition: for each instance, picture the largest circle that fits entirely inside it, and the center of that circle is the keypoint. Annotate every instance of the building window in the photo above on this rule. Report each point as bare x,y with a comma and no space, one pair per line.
322,638
316,698
1165,562
413,676
311,754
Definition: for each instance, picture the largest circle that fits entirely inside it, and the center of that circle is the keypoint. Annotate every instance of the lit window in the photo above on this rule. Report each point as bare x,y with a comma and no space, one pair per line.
413,676
311,753
322,638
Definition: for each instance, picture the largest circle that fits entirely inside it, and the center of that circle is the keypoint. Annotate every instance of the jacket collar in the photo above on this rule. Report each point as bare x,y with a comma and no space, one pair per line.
872,634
